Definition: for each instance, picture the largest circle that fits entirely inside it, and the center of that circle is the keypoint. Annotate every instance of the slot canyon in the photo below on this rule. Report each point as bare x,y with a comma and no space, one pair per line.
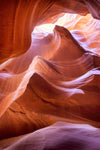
49,74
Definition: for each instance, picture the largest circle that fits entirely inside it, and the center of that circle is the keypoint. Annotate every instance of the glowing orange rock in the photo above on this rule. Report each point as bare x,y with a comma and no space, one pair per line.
51,76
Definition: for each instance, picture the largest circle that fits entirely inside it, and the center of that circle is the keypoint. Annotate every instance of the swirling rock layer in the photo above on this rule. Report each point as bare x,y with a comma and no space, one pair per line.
49,77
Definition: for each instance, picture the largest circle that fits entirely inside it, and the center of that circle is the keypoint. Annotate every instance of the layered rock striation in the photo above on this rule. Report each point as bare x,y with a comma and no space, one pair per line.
47,77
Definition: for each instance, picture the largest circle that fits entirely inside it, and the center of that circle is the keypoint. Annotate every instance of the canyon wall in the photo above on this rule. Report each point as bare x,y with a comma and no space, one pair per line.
47,77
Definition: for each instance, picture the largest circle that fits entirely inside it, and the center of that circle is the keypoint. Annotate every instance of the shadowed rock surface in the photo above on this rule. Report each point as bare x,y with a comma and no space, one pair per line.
49,75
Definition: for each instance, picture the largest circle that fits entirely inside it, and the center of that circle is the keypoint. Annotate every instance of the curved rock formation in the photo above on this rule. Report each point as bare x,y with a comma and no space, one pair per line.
49,77
60,136
18,19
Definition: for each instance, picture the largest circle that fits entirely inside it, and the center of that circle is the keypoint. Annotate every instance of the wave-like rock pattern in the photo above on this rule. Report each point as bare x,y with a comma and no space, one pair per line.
57,78
18,19
59,85
60,136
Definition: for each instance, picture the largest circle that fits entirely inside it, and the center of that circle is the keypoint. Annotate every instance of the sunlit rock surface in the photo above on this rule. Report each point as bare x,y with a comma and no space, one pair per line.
49,75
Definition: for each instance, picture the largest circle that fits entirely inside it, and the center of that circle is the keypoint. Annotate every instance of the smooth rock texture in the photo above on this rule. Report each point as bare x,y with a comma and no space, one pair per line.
49,75
18,19
60,136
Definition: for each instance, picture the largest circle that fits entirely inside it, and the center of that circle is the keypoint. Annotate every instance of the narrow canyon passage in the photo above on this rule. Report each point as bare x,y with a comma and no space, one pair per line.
50,75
